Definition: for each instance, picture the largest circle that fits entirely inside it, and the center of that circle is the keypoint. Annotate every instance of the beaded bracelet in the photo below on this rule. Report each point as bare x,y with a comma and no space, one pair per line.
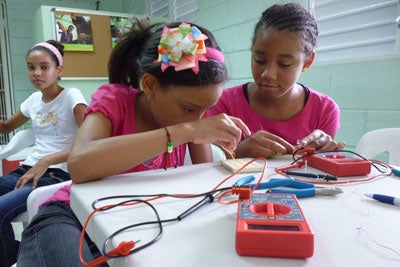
170,145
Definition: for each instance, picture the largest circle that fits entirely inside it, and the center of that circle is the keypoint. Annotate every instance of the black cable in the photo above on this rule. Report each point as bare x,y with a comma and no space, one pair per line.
212,192
157,237
208,198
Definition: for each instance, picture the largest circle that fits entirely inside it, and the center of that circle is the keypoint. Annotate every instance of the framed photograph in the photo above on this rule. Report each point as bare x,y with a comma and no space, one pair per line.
119,26
74,31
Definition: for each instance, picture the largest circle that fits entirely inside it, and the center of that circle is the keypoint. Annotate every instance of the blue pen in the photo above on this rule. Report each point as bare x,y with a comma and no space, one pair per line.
396,172
384,199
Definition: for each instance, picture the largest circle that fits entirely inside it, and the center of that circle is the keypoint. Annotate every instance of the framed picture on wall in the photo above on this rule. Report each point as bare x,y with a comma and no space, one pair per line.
119,26
74,31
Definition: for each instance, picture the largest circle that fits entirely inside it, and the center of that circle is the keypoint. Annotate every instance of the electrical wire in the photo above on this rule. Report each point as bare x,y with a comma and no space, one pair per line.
136,199
116,253
229,192
362,228
208,197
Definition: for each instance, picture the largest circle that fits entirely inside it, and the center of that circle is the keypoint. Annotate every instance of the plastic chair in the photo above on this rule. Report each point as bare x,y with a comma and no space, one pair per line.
36,198
379,141
40,194
20,141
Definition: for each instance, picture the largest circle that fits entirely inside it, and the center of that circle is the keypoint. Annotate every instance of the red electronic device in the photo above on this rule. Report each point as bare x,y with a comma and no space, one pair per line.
339,164
273,225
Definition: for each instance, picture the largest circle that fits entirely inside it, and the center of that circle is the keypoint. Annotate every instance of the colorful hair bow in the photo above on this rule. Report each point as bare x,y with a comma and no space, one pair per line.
183,48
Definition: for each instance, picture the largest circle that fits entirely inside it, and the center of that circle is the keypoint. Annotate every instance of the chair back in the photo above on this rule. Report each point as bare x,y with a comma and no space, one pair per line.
379,141
18,142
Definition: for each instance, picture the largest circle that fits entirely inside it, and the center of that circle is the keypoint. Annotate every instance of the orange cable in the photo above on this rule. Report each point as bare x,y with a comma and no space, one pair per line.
104,258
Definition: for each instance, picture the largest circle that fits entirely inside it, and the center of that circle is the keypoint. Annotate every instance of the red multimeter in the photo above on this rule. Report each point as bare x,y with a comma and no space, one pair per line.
273,225
339,164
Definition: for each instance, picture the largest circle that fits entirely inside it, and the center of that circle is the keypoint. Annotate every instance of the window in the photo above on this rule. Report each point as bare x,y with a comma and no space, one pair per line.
356,30
6,94
174,10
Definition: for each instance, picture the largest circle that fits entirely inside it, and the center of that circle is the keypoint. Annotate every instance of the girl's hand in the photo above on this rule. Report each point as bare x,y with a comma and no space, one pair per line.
222,130
33,174
321,141
263,144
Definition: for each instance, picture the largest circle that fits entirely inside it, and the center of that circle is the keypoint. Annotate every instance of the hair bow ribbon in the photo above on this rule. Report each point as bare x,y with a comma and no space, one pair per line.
182,48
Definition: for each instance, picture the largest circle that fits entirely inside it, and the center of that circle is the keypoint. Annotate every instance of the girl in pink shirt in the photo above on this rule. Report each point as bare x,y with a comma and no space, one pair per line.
162,80
281,113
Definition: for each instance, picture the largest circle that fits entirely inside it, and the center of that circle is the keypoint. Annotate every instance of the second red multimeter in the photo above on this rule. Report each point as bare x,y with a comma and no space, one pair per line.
339,164
273,225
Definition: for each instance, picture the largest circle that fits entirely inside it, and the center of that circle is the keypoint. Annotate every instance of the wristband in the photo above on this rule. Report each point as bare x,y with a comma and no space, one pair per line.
170,145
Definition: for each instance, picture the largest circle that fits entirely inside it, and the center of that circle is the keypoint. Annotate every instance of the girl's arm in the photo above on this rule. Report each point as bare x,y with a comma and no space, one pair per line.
12,123
95,154
200,153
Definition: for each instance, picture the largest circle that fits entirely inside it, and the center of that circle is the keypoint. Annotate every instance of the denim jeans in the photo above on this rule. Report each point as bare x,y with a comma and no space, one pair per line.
52,239
13,202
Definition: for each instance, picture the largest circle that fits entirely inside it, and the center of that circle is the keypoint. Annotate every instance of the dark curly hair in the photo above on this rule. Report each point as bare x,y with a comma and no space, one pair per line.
136,52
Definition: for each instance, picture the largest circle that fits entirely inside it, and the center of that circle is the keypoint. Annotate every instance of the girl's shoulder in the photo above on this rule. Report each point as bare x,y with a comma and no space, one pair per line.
116,90
72,91
234,90
320,99
115,93
35,97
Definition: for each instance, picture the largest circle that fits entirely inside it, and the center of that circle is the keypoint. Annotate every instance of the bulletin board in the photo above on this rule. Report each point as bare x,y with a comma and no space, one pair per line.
89,64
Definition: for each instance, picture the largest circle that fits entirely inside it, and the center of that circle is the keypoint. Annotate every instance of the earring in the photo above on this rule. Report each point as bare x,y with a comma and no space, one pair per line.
148,97
304,69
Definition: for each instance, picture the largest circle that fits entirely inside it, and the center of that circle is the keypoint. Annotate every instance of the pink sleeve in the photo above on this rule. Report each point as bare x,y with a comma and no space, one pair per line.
62,194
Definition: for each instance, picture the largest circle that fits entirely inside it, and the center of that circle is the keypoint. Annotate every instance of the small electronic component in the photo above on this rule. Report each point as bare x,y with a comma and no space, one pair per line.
273,225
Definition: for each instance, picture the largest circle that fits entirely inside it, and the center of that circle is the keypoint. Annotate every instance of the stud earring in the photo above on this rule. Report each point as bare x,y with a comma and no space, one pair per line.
304,69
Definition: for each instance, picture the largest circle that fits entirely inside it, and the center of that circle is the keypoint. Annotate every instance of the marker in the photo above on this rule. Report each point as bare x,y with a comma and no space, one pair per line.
384,199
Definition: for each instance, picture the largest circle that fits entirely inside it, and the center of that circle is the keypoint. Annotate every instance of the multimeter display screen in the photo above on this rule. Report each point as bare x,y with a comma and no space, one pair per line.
293,228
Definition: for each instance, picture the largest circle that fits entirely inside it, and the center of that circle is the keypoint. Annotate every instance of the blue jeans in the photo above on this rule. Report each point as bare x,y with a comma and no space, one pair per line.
13,202
52,239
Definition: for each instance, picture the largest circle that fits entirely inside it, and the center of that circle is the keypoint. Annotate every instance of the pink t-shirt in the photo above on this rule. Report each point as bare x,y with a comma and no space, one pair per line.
117,103
319,112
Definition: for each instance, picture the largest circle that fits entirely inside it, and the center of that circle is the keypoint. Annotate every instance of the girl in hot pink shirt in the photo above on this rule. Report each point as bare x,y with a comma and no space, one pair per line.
319,112
281,113
163,78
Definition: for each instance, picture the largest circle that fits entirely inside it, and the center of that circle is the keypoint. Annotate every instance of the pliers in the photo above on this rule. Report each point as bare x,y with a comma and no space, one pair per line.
298,188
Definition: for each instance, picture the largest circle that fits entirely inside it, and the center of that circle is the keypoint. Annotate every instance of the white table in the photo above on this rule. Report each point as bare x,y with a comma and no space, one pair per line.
207,237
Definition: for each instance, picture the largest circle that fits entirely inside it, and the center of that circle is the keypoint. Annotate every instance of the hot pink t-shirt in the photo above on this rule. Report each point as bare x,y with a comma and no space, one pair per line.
117,103
319,112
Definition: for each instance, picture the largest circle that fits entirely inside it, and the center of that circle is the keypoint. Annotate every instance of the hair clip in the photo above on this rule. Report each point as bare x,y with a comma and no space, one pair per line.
183,48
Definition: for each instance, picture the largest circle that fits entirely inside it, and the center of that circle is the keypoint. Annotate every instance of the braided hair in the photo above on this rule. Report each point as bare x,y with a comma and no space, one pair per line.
292,17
